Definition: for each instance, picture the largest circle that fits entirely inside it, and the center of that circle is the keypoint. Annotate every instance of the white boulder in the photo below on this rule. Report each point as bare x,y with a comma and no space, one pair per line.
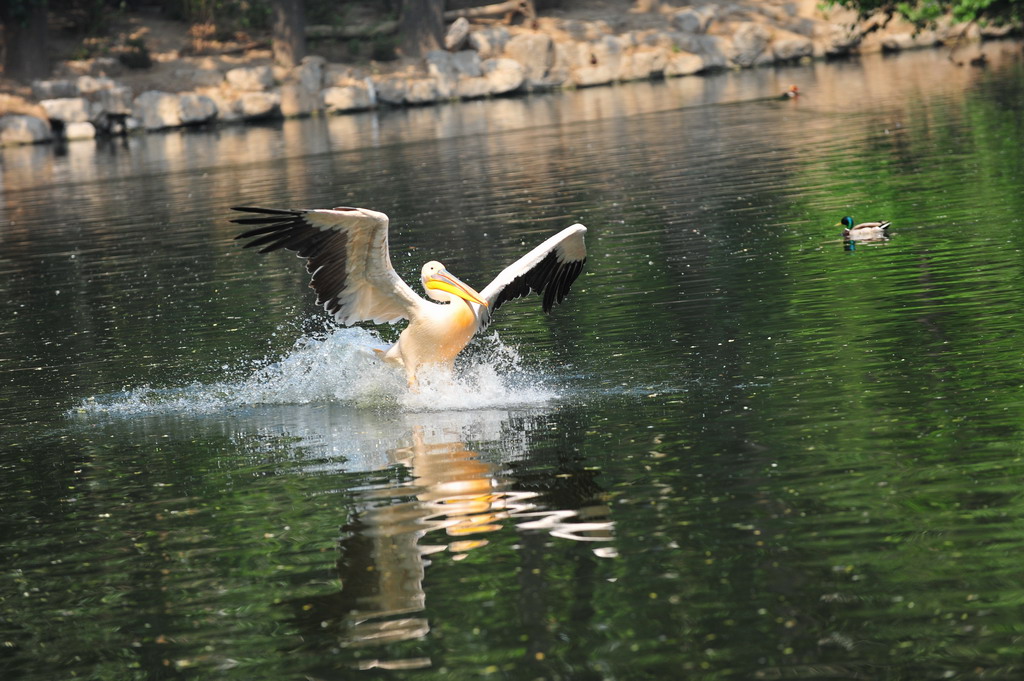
67,109
196,109
23,129
82,130
251,78
258,105
356,97
157,110
298,100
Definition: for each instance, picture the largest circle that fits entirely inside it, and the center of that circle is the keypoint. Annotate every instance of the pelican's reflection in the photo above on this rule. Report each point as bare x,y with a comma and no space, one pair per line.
442,498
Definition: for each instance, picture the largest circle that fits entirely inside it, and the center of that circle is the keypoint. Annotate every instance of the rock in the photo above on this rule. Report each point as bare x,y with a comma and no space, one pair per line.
310,73
67,109
391,90
457,34
338,75
196,109
643,64
473,88
400,89
588,76
207,77
441,67
749,43
490,41
82,130
503,75
22,129
713,50
801,26
535,52
54,89
348,98
467,63
498,77
792,48
560,72
157,110
424,91
460,74
115,100
692,20
14,104
908,41
588,31
600,62
258,105
989,31
684,64
841,40
297,100
227,105
251,78
88,85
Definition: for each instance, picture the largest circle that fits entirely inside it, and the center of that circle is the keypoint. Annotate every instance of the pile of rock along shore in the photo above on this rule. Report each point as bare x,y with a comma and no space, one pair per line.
481,61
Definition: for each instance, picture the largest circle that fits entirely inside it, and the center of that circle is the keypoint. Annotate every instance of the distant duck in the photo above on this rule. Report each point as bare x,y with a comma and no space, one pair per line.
980,61
865,230
792,93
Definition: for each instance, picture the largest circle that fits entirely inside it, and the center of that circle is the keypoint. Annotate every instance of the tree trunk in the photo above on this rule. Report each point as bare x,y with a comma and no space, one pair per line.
24,40
289,33
421,26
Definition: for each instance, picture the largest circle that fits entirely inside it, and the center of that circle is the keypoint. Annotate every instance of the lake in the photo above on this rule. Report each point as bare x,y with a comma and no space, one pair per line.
740,449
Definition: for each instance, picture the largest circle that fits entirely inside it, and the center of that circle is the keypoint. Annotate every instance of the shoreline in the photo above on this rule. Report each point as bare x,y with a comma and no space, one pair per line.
99,97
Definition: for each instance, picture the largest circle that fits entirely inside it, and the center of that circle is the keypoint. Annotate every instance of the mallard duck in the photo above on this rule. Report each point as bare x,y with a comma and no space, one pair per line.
865,230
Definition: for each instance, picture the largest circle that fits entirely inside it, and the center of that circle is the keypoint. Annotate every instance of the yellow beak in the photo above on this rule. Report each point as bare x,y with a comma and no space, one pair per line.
443,281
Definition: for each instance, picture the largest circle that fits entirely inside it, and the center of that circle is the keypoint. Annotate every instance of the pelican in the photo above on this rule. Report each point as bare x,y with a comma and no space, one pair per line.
346,252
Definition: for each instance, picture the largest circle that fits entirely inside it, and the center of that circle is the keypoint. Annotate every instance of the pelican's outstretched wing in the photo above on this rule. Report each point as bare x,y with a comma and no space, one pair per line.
548,269
346,251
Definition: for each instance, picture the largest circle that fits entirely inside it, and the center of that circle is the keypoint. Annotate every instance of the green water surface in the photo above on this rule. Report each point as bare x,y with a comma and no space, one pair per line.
739,450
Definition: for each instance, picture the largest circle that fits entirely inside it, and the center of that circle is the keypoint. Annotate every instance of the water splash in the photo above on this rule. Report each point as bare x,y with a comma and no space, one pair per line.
343,368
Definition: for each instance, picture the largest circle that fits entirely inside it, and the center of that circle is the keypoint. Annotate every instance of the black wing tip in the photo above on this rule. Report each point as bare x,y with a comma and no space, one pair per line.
270,220
558,289
261,209
274,213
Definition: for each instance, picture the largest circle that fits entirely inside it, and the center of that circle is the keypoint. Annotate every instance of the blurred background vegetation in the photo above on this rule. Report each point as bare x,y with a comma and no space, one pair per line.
36,32
33,30
923,12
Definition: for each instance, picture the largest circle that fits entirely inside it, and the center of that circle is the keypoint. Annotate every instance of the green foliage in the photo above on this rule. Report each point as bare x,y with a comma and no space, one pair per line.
922,12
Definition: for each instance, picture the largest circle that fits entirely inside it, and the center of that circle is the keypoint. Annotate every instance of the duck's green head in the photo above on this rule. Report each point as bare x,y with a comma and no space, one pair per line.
846,222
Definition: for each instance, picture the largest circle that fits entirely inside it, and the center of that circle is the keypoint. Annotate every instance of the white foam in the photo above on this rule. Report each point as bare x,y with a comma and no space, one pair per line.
343,368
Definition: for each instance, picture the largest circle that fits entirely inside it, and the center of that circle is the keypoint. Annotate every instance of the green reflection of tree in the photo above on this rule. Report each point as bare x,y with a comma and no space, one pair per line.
885,540
163,557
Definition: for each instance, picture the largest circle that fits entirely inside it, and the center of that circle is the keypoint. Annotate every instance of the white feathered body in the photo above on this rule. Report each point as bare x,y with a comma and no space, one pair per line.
346,252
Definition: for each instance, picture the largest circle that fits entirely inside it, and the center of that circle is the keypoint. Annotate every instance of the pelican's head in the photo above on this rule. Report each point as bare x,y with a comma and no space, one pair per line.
443,286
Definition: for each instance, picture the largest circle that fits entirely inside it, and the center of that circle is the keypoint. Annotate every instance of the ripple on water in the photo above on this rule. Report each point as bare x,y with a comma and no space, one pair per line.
343,367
